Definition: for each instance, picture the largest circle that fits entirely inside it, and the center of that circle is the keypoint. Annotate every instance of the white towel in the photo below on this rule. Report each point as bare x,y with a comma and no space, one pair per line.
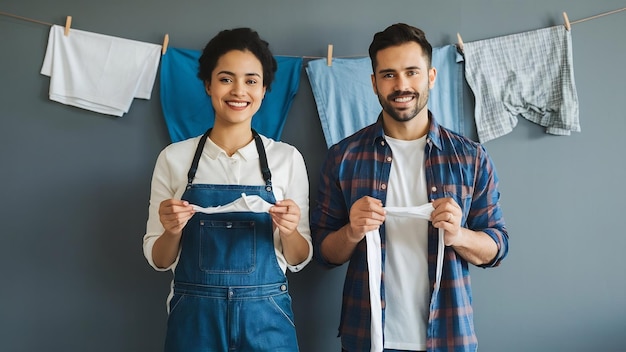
374,267
98,72
246,203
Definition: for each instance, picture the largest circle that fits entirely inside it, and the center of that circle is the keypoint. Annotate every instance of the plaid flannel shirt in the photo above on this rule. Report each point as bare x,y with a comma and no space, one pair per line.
455,167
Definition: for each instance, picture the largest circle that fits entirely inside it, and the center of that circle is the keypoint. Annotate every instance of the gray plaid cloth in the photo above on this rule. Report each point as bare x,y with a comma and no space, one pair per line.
527,74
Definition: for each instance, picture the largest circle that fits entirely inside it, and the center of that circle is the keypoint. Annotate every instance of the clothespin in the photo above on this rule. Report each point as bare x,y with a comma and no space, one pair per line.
459,42
567,25
68,24
329,56
166,41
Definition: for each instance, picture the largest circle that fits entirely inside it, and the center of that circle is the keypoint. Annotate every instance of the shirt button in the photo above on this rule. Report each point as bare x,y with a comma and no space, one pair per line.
382,143
383,186
389,159
283,287
433,189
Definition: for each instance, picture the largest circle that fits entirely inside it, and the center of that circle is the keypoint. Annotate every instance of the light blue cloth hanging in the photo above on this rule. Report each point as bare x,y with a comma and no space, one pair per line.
187,108
529,74
343,95
346,101
446,97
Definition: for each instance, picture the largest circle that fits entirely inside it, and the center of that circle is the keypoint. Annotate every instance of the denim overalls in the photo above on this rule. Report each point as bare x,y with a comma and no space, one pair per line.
230,294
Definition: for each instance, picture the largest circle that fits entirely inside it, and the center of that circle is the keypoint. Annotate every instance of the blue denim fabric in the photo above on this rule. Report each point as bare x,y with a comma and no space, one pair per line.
230,293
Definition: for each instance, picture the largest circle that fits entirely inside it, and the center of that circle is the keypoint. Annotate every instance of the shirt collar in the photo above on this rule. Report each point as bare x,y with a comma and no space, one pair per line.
247,152
434,134
378,133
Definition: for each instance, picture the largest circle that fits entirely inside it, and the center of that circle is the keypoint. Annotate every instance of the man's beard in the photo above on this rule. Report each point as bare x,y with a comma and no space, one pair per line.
404,115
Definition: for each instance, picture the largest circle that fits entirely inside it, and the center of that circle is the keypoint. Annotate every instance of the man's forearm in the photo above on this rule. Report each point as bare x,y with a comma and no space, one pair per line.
337,248
476,247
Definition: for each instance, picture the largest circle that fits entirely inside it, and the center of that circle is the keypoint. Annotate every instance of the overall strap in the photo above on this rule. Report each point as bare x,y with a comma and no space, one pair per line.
265,169
196,158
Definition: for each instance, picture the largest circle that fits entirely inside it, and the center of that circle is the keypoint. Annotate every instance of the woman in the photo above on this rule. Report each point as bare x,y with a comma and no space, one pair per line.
229,290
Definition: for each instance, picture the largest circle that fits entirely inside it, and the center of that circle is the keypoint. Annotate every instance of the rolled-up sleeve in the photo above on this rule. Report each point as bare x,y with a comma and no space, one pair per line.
486,212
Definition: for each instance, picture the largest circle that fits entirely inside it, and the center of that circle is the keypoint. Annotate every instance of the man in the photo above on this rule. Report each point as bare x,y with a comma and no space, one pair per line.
406,159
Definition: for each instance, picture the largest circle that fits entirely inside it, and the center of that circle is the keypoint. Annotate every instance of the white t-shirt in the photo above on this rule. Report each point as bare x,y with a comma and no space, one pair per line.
407,293
289,181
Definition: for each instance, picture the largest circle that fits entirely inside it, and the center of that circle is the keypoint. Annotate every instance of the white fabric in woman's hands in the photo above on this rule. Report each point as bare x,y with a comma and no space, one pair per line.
246,203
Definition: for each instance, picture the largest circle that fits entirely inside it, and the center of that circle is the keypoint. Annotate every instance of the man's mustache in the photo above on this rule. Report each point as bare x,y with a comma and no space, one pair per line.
398,94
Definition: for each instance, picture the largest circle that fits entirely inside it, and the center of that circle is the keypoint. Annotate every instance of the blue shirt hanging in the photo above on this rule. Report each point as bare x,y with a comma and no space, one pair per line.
187,108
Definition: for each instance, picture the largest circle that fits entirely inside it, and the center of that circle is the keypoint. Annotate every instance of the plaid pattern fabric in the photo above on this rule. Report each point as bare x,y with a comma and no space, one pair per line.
529,74
455,167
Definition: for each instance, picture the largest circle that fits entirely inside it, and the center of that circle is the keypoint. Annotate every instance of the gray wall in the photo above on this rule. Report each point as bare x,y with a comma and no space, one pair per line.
75,184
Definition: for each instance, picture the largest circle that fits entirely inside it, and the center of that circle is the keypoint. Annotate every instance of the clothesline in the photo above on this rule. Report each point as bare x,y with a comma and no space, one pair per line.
68,23
599,15
329,55
25,18
566,23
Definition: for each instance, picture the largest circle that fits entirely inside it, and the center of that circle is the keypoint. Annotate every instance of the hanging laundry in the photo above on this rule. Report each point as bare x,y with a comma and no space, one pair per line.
343,95
528,74
346,101
446,97
98,72
187,108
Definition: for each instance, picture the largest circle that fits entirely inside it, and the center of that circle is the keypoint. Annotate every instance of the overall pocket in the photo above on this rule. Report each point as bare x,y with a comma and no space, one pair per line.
227,247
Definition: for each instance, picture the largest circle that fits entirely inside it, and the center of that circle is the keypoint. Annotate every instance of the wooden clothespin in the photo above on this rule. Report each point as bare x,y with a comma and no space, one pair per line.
459,41
567,25
329,56
166,41
68,24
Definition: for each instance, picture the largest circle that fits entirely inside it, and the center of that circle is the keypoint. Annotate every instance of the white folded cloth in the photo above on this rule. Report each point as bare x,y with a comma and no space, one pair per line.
98,72
246,203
